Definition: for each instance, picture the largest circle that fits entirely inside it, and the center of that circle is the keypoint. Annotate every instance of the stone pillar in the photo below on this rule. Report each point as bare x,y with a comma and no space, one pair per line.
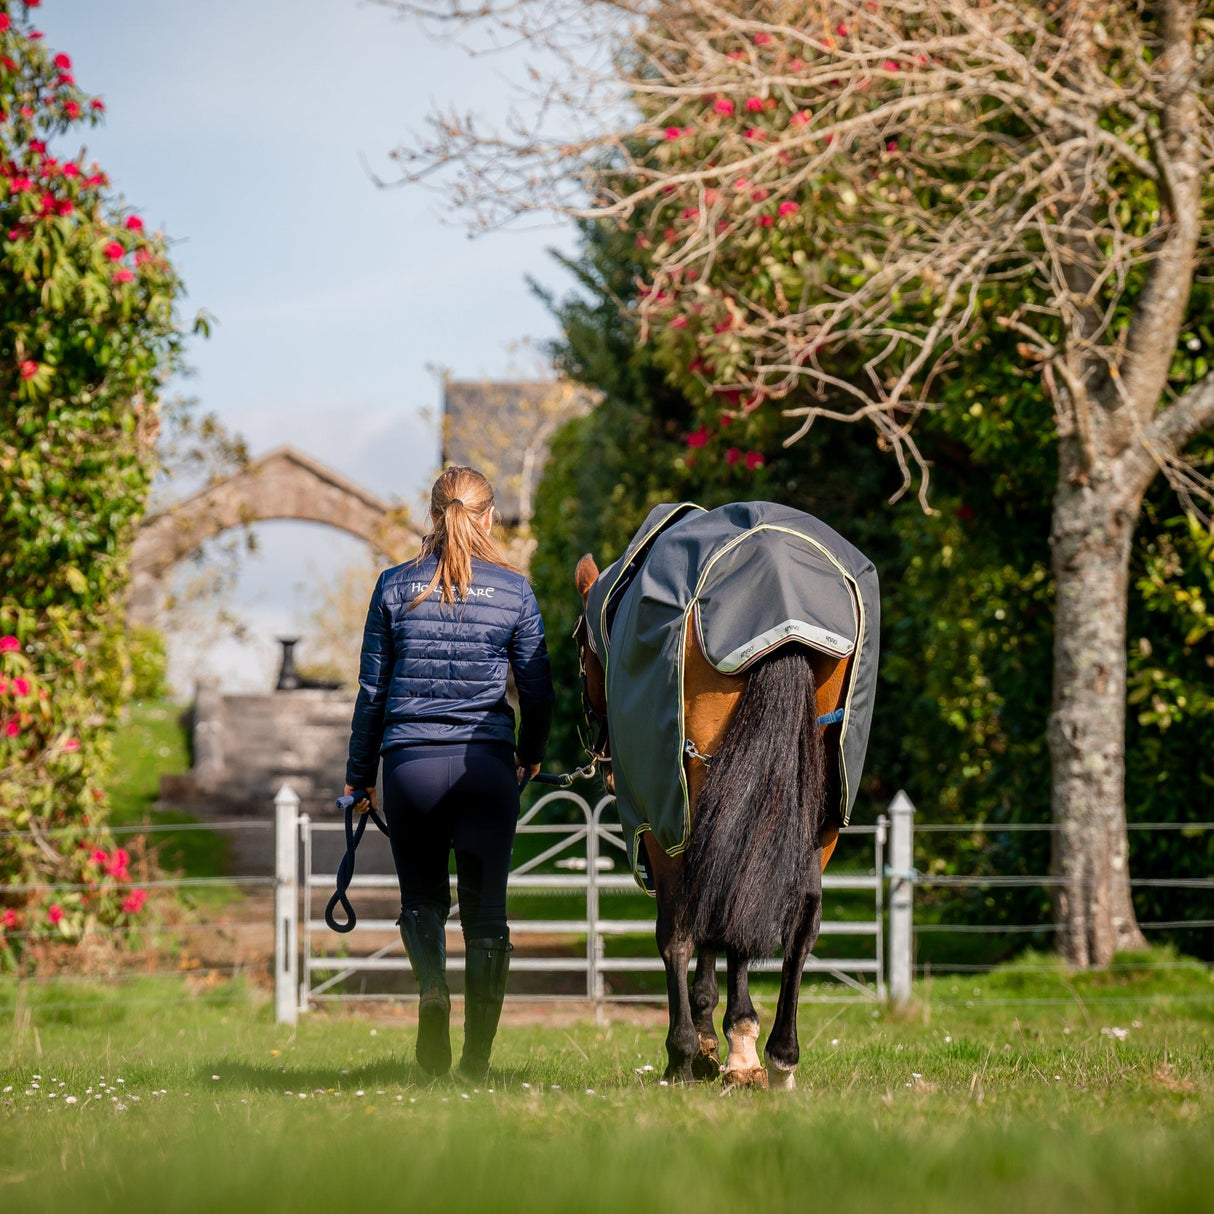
210,768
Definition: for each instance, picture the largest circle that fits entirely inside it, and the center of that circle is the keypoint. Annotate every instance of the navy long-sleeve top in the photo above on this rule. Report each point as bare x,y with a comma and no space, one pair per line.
438,673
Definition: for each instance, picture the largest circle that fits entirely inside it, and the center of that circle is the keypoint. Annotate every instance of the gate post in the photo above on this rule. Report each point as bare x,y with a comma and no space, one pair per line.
901,874
286,905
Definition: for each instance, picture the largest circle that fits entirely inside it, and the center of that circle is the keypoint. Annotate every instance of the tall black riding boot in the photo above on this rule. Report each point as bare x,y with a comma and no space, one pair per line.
486,968
424,932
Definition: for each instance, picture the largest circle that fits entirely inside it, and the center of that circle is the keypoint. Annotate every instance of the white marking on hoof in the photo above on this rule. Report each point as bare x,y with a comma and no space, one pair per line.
781,1079
743,1056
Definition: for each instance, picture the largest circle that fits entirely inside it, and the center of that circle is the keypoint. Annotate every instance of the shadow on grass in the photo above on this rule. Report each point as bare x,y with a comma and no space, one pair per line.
393,1071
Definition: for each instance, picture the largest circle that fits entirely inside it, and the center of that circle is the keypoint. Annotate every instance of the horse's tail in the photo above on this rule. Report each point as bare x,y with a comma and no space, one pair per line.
755,834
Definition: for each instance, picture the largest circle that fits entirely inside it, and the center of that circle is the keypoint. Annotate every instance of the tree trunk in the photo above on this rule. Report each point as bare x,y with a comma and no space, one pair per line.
1093,525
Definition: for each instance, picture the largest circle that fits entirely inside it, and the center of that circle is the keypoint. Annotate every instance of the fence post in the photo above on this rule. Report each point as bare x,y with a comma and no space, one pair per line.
286,905
593,990
901,873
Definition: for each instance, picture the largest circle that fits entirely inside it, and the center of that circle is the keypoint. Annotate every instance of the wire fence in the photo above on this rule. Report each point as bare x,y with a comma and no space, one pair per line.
925,880
176,937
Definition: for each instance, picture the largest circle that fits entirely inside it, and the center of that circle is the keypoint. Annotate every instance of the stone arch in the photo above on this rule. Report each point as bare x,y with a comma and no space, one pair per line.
284,484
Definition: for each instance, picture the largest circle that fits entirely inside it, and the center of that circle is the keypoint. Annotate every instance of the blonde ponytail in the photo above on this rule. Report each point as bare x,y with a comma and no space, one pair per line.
460,499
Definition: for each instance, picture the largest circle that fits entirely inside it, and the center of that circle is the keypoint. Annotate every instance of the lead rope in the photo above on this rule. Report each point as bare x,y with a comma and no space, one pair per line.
693,752
345,870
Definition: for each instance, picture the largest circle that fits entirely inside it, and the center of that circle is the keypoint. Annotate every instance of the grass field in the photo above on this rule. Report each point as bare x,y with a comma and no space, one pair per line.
1026,1090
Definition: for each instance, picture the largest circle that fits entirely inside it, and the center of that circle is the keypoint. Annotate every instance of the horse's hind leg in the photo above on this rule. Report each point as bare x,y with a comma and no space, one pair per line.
782,1051
682,1040
742,1066
705,995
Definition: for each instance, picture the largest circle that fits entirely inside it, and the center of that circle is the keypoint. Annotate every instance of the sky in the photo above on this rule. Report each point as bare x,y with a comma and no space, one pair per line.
248,132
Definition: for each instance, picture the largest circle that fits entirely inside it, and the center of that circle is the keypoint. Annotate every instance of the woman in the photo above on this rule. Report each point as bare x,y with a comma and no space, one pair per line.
443,631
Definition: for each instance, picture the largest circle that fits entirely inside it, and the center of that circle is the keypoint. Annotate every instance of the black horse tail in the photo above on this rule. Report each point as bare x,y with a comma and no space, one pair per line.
755,837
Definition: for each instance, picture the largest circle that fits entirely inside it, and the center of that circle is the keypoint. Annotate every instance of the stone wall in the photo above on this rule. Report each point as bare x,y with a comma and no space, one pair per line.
246,746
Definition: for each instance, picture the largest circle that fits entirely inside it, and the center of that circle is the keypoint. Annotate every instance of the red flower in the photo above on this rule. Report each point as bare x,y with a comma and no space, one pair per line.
736,55
841,30
21,686
754,104
698,438
762,39
118,862
690,213
890,65
9,644
5,21
754,459
26,111
36,145
788,207
891,145
35,34
759,196
29,369
123,275
796,65
12,729
132,904
66,78
114,251
669,234
765,221
673,132
726,420
99,855
742,183
723,105
97,104
71,109
755,133
732,456
9,918
71,170
19,185
62,62
71,744
723,326
679,322
801,118
33,3
55,912
15,234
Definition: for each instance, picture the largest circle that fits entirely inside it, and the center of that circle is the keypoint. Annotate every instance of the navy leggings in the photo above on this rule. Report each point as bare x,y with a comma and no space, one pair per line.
462,797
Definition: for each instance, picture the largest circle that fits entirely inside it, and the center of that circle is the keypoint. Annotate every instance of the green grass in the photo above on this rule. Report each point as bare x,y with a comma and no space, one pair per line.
148,743
1004,1093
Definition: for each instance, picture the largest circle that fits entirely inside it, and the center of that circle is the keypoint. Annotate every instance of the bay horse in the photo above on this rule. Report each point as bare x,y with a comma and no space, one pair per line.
750,878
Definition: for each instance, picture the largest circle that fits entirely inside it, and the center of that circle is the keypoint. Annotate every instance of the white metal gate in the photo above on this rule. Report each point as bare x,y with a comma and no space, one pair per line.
565,846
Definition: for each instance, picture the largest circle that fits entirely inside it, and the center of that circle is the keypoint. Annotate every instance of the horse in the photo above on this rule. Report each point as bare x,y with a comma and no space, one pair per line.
761,833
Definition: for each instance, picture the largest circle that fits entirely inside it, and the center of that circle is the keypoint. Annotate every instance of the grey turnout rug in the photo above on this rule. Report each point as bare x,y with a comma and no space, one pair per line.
749,577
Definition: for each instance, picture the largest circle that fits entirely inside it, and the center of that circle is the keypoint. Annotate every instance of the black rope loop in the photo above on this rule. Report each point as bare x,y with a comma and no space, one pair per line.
345,870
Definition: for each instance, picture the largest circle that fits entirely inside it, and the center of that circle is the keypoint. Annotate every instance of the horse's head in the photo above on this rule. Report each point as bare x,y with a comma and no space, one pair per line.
594,679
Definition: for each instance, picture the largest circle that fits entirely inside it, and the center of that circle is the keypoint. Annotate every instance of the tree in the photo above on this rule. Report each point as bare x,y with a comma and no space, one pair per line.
88,332
844,198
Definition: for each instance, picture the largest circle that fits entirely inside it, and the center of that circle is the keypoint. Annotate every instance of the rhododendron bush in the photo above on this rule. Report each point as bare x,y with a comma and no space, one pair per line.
88,333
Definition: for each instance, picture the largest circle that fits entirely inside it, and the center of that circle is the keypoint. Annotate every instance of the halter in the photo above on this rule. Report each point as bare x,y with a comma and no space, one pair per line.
600,750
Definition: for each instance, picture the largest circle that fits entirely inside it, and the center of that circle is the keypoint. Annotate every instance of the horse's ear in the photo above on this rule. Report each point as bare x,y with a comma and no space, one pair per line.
585,575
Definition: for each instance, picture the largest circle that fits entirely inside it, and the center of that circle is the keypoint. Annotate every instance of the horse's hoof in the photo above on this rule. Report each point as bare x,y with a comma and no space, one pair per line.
779,1079
681,1074
706,1065
756,1077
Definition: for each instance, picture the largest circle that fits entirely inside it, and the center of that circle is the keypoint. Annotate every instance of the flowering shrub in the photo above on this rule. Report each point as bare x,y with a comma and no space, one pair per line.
88,332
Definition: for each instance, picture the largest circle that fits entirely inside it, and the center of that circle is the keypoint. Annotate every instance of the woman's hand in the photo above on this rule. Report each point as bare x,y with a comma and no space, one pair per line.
524,772
362,806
